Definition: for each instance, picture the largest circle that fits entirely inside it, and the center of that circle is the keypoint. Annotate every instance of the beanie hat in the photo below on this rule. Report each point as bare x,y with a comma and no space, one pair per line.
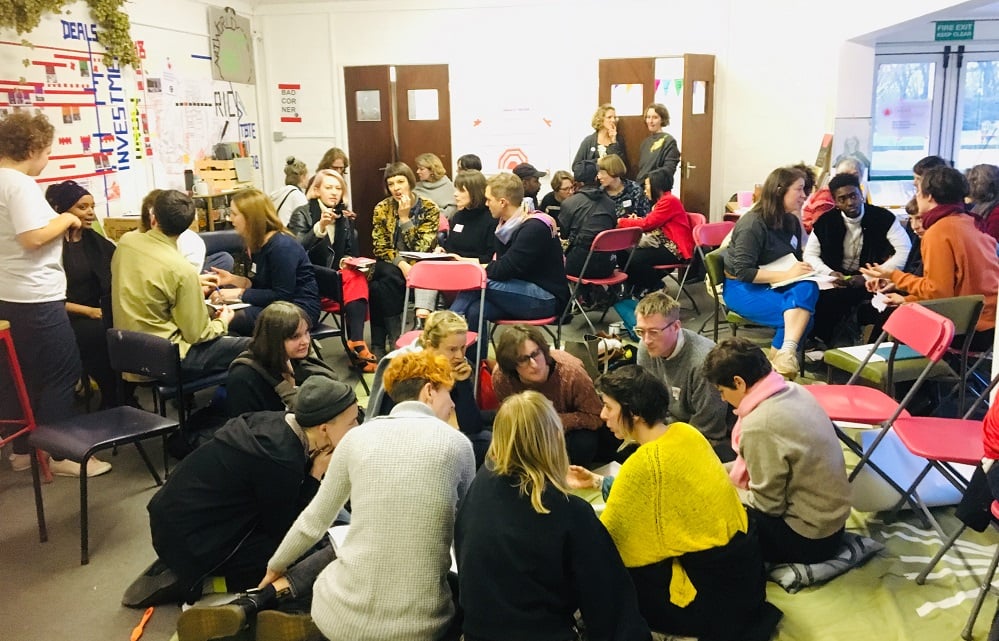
585,171
320,399
62,196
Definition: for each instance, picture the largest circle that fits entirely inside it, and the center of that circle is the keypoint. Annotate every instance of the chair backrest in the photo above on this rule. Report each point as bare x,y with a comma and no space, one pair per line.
963,311
714,264
712,234
696,219
448,275
615,240
922,329
443,225
144,354
222,241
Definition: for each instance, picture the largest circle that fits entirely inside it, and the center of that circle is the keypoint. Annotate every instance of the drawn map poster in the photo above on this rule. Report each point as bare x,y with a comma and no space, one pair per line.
232,46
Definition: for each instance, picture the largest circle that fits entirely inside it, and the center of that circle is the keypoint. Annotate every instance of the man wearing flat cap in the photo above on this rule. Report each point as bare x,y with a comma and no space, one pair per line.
226,507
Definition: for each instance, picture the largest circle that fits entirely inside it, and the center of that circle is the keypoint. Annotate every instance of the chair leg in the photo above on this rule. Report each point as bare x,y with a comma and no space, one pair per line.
84,517
977,607
921,577
36,481
149,463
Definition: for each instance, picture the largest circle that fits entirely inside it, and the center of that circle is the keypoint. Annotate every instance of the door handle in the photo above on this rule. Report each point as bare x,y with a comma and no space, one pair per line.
687,168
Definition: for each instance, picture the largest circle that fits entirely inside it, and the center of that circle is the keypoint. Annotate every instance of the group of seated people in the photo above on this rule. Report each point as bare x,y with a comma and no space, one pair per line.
862,250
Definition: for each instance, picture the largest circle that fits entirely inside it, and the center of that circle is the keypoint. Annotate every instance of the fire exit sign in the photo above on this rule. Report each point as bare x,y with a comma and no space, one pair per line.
955,30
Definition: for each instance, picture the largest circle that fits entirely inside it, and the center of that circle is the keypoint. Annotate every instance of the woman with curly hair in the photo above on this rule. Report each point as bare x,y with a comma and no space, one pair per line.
605,138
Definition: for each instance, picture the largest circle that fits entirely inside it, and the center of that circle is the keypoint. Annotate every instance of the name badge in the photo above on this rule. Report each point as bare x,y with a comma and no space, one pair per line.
458,228
676,393
794,242
626,203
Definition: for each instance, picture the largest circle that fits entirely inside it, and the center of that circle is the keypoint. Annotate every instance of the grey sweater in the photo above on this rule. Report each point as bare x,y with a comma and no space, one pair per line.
695,400
441,192
795,463
405,475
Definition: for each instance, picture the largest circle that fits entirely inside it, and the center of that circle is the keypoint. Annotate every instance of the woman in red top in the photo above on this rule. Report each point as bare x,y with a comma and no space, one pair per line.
668,238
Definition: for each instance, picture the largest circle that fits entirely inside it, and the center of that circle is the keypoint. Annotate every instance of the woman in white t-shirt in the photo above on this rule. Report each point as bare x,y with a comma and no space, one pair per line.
33,285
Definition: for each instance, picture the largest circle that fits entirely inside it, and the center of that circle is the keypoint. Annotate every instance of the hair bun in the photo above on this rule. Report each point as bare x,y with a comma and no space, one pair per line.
290,160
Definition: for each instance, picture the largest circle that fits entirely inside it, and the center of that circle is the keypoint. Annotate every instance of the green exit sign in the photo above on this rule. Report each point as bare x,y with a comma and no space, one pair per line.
955,30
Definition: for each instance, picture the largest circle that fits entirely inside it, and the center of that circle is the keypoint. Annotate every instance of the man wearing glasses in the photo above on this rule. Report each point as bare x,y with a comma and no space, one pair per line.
675,355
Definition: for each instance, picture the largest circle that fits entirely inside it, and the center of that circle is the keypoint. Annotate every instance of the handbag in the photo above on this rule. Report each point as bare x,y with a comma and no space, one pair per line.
652,239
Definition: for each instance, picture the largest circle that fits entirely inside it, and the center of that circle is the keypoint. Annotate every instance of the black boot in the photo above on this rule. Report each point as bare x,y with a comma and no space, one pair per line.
157,585
393,329
203,624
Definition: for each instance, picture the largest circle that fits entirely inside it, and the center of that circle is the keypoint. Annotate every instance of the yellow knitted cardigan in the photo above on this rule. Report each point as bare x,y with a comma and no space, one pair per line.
671,497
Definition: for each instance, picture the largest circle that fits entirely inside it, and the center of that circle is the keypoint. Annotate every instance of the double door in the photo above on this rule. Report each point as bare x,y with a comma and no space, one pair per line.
394,113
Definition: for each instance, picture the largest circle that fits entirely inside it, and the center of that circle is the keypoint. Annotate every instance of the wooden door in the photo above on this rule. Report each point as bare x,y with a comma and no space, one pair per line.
370,141
698,115
423,102
628,71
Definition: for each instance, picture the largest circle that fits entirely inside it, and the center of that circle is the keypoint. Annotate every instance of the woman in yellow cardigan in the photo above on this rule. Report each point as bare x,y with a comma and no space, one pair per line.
677,521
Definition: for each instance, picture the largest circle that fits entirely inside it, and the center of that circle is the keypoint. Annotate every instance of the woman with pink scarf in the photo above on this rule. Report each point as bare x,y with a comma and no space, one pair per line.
789,463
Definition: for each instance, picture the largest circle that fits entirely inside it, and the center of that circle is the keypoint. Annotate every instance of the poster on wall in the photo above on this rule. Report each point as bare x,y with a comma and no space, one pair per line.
121,131
232,46
852,139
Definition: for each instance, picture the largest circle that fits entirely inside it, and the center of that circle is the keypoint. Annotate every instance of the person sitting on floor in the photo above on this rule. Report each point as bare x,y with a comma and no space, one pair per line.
530,554
790,461
525,361
675,356
445,334
226,506
688,563
267,376
853,235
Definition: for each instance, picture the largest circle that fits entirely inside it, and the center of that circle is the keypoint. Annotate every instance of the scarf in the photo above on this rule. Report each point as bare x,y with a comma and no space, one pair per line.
759,392
941,211
504,231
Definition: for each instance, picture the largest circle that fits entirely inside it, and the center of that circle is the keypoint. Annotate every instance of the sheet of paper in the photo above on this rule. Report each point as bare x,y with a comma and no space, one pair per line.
879,302
232,306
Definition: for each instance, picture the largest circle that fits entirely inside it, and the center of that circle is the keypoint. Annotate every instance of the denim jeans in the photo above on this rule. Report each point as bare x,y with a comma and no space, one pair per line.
505,300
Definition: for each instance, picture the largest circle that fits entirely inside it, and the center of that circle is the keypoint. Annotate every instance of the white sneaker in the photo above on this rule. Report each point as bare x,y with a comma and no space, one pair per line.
785,361
66,467
20,462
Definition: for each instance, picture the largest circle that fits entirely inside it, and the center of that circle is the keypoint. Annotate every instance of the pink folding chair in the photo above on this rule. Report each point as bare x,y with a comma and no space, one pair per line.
609,241
707,237
451,276
673,269
913,325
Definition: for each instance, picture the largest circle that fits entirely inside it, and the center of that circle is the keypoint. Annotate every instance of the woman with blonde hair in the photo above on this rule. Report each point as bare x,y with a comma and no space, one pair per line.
325,228
280,267
445,334
434,183
529,553
605,138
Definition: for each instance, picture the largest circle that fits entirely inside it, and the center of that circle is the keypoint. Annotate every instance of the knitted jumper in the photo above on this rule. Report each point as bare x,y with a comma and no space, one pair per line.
671,497
405,475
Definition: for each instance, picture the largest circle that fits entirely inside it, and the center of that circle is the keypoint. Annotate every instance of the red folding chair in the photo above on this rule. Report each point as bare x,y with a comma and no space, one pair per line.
610,241
673,269
451,276
708,237
922,330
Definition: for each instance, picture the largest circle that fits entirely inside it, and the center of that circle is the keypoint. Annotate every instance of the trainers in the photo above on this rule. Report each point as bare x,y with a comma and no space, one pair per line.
785,361
273,625
66,467
20,462
201,623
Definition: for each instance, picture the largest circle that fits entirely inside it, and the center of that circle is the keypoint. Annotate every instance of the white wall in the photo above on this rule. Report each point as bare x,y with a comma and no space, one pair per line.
781,78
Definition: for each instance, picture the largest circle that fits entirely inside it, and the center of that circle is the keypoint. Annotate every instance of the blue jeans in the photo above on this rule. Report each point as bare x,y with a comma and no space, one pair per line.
763,305
505,300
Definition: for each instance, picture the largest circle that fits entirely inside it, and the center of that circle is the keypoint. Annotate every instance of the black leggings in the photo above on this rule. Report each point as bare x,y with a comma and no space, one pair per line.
780,544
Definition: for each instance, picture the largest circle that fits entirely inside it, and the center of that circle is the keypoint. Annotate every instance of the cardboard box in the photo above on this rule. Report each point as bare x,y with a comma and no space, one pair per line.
115,228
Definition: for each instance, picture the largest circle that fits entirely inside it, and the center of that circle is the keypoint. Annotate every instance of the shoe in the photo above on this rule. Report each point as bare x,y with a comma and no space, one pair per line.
158,585
785,362
273,625
202,623
361,357
20,462
66,467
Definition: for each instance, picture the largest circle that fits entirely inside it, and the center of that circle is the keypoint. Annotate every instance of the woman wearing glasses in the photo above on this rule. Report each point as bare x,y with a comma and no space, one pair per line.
562,187
524,361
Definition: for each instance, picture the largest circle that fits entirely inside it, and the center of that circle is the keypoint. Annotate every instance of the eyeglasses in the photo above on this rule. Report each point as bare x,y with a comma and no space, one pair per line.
527,358
340,170
564,189
652,332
